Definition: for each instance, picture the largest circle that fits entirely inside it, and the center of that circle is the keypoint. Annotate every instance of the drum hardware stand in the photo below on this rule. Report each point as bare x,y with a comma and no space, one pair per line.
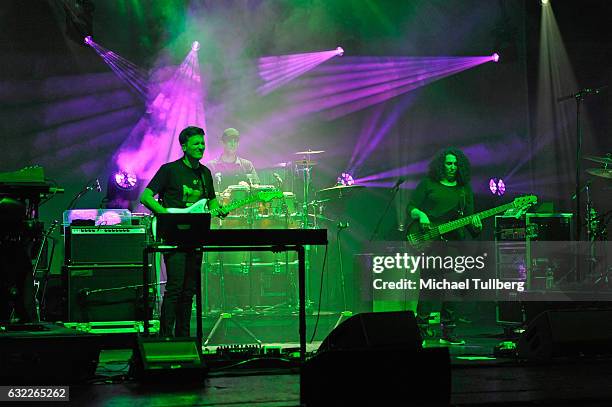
596,230
227,315
579,97
394,190
344,314
307,175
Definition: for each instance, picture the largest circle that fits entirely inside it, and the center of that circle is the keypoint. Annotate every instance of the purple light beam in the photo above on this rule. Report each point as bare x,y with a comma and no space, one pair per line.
277,71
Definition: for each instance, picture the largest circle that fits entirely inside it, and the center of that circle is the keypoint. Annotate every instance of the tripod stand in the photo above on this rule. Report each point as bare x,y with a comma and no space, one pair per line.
597,229
224,315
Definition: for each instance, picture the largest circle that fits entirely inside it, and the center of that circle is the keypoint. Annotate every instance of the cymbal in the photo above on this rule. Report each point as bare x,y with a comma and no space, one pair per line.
602,160
601,172
310,152
321,217
340,190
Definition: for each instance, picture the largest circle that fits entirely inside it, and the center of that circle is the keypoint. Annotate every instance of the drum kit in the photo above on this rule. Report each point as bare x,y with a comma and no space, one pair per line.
596,223
260,281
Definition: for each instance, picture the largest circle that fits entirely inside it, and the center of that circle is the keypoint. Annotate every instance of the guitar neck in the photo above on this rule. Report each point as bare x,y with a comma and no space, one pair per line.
459,223
235,205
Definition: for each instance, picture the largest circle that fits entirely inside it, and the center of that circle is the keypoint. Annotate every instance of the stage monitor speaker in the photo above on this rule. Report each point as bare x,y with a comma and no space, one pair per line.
109,293
375,330
168,361
46,354
359,362
567,333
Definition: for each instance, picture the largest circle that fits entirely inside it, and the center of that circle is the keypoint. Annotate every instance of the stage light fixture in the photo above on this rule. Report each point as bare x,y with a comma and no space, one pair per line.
544,2
497,186
88,40
340,51
125,180
345,179
195,46
495,57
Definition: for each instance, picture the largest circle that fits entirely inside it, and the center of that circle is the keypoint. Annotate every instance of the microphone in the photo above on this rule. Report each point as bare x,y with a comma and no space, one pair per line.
586,185
277,177
582,93
218,177
399,182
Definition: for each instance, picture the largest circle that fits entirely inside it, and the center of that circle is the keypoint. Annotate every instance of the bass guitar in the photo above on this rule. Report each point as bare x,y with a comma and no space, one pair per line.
420,238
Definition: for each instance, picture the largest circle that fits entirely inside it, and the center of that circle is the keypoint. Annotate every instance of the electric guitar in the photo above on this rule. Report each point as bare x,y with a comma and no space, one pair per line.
201,206
420,239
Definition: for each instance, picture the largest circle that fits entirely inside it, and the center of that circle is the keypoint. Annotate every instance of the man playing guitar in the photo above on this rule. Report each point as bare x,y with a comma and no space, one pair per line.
445,194
179,184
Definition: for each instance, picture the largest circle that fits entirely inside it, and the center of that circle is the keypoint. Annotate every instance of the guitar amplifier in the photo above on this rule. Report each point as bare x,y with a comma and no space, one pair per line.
118,244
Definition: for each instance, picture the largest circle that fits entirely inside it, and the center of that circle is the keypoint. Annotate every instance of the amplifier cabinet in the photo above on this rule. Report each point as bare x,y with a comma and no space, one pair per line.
520,258
105,244
106,293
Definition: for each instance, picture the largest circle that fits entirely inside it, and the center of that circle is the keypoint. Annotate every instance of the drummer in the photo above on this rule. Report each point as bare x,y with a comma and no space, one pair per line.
228,168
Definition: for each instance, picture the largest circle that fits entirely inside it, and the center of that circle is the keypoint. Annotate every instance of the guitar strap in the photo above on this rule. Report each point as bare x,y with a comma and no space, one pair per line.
204,186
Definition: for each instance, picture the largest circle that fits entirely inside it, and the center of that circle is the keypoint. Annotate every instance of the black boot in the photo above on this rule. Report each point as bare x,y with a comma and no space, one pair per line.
448,335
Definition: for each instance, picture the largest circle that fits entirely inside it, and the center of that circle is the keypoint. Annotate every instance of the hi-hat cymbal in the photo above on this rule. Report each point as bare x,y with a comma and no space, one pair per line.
305,163
601,172
602,160
310,152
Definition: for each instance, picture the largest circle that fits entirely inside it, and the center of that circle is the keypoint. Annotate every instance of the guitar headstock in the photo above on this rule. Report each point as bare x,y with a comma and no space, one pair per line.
267,196
525,201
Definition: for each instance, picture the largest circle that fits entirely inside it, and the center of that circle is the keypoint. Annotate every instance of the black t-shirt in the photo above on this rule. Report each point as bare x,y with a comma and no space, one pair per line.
179,186
442,203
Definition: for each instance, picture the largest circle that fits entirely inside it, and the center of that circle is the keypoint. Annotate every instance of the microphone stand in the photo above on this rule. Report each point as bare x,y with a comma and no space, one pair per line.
89,187
345,313
579,97
395,190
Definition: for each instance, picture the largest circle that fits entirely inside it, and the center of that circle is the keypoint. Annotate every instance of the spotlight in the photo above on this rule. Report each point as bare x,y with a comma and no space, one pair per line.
88,40
195,46
125,180
495,57
544,2
497,186
340,51
345,179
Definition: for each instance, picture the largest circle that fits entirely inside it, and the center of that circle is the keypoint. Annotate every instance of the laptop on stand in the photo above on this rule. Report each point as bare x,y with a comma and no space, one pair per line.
183,229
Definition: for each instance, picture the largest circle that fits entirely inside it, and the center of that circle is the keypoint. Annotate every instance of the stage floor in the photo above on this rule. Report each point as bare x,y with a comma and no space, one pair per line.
478,378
